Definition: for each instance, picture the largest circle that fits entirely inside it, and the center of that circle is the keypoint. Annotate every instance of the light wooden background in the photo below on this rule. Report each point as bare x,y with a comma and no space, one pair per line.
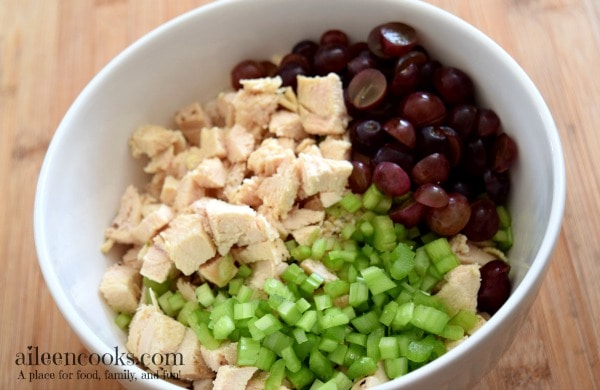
50,49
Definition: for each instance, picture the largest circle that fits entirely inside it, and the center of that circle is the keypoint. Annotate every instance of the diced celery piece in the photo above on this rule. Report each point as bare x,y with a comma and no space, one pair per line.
248,351
320,365
396,367
367,322
301,378
122,320
204,295
276,375
338,355
336,288
429,319
351,202
223,328
376,280
362,367
322,302
307,321
389,348
358,293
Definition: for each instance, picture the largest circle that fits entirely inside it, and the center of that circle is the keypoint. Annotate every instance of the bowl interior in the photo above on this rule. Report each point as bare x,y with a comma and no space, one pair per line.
88,164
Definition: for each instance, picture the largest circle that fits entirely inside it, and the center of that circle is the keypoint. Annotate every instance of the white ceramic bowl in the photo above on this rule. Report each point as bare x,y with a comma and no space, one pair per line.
88,163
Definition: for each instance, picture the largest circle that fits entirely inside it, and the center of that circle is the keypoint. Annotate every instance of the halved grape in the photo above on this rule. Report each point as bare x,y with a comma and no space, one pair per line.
367,89
392,39
495,286
431,195
306,48
504,153
484,221
410,213
487,123
423,108
247,69
434,168
440,139
453,84
405,80
402,130
329,58
391,179
360,178
497,185
462,119
334,36
450,219
367,136
396,153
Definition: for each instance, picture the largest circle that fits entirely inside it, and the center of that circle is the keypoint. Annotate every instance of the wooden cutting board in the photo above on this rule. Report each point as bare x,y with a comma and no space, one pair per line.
50,49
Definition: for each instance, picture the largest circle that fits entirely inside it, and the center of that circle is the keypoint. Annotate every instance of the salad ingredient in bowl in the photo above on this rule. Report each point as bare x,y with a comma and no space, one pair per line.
336,220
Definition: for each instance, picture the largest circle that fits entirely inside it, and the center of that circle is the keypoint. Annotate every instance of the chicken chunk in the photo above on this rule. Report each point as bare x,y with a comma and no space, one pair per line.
190,120
311,266
128,217
152,332
274,251
212,142
193,366
151,140
323,175
254,105
152,223
219,270
226,354
460,288
232,377
121,287
287,124
239,143
335,148
278,192
187,243
265,159
300,218
210,173
156,263
321,105
468,253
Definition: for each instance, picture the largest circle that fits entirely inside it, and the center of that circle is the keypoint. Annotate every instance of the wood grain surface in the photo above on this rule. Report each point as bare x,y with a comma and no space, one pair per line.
50,49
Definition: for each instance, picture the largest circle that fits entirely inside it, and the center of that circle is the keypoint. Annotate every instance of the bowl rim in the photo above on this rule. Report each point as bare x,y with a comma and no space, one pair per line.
528,285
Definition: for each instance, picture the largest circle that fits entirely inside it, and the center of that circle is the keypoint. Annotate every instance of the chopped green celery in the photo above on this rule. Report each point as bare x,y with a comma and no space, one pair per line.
373,343
265,359
384,205
220,298
343,255
303,305
293,274
349,312
322,302
329,385
389,313
404,261
384,236
354,353
396,367
336,288
277,342
358,293
362,367
318,249
223,309
223,328
420,350
389,348
276,375
338,355
401,232
422,261
242,311
503,216
289,312
366,228
274,301
428,237
367,322
381,299
429,319
465,319
428,282
350,274
204,334
320,365
305,348
351,202
332,263
327,345
122,320
307,321
290,245
357,338
503,238
299,335
268,324
349,231
301,378
311,283
376,280
342,381
292,362
332,317
376,258
273,286
316,385
362,262
255,333
301,252
403,315
243,271
163,302
372,197
441,255
244,294
158,288
186,310
204,295
248,351
177,301
452,332
233,287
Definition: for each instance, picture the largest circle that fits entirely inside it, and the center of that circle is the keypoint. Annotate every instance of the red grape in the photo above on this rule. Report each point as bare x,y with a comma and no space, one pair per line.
484,221
391,179
434,168
423,108
367,89
431,195
402,130
392,39
450,219
504,153
495,286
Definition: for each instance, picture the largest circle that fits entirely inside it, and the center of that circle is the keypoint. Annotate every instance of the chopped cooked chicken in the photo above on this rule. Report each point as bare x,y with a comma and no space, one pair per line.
239,143
127,218
287,124
226,354
321,105
152,332
274,251
377,378
335,148
320,174
187,243
190,120
219,270
121,288
151,140
278,192
152,223
193,366
232,377
311,266
210,173
460,288
156,263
